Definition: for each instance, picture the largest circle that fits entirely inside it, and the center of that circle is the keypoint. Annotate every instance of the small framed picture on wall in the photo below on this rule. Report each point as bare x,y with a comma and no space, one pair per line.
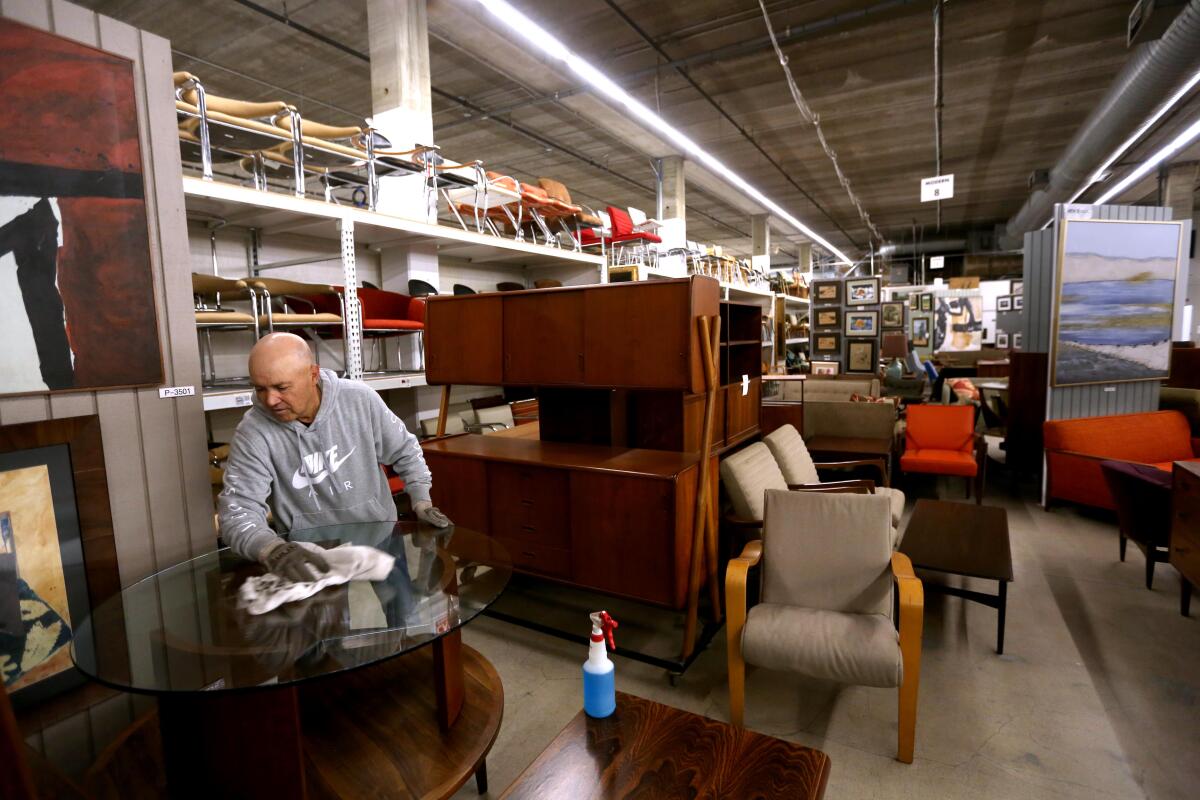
826,292
827,343
862,356
862,292
825,368
892,315
1002,340
927,302
1018,302
920,331
1018,287
828,318
1004,303
914,301
862,323
1016,341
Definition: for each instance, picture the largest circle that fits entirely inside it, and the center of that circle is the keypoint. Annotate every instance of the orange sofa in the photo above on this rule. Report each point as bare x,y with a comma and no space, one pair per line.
1075,448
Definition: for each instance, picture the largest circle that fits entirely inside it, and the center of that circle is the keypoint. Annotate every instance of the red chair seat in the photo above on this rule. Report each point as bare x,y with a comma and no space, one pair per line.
394,324
588,236
940,462
1168,466
637,237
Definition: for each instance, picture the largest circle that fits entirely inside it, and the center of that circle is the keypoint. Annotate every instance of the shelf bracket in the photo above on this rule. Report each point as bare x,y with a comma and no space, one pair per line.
352,311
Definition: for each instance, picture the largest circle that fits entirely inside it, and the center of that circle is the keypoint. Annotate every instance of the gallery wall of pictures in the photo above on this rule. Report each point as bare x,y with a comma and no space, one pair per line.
1010,310
848,317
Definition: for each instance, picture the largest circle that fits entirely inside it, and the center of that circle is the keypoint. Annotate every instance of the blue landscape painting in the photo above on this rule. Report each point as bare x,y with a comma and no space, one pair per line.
1116,301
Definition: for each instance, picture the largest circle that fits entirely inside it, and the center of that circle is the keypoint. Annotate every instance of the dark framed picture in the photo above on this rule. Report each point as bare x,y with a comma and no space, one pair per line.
827,292
914,301
827,343
1018,287
927,302
1018,302
862,323
825,367
828,318
73,219
1002,340
1004,303
56,546
862,356
920,331
891,315
862,292
1016,341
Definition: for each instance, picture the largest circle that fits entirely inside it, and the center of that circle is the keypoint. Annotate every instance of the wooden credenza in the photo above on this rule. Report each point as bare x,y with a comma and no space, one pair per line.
1185,525
616,520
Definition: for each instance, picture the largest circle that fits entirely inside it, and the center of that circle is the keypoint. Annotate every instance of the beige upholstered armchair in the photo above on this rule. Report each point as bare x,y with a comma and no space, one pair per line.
828,577
749,473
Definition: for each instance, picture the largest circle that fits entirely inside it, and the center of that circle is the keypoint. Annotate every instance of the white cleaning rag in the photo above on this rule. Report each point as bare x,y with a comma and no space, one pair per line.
347,562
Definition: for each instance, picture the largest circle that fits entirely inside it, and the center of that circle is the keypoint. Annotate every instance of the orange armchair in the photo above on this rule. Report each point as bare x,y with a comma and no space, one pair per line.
941,440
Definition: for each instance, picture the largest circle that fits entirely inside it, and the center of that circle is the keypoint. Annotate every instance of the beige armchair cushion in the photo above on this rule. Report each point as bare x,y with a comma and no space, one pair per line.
896,500
747,475
792,455
453,425
837,418
496,414
862,649
828,551
838,388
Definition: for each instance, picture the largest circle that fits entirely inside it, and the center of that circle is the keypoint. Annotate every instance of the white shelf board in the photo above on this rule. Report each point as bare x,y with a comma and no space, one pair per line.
409,380
276,212
733,291
793,301
241,397
798,340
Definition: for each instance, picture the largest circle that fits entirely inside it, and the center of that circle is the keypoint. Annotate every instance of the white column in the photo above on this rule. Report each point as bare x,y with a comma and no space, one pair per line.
1180,195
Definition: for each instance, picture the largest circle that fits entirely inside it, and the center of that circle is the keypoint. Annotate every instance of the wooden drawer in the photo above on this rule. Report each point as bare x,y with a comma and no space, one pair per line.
529,504
532,556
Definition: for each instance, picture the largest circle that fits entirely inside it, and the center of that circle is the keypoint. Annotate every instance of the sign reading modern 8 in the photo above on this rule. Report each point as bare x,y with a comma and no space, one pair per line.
940,187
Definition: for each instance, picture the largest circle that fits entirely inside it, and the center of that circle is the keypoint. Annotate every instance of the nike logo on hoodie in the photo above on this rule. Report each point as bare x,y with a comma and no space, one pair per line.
313,470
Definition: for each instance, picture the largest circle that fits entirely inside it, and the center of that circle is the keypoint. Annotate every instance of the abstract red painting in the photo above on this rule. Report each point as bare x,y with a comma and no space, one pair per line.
77,305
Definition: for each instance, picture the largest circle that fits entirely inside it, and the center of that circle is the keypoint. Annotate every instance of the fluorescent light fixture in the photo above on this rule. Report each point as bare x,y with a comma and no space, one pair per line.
540,38
1171,148
1123,147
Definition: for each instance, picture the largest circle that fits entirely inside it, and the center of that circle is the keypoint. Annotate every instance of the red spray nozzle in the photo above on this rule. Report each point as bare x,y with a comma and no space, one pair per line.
604,621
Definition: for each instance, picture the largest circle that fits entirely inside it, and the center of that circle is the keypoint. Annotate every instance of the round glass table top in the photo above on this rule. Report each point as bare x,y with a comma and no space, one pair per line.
184,629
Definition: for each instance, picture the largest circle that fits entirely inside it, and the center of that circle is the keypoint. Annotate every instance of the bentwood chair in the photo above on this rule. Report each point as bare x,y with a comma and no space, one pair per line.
210,293
827,582
288,306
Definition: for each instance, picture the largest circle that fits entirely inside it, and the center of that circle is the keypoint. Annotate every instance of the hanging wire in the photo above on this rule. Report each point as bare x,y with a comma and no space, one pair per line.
810,116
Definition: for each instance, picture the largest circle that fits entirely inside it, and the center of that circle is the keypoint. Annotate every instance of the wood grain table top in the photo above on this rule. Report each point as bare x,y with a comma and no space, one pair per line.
651,751
959,538
598,458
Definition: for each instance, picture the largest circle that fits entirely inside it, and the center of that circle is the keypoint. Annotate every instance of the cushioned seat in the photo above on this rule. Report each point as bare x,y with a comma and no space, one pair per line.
394,324
1168,466
223,318
941,462
850,648
299,319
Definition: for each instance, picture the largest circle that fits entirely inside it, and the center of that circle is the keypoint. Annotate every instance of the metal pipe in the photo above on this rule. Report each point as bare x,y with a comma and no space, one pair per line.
1153,72
937,96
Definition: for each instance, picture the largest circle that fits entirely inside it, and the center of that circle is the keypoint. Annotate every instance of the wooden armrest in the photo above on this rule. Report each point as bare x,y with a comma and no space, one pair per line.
448,166
912,620
857,486
416,151
318,129
235,108
878,463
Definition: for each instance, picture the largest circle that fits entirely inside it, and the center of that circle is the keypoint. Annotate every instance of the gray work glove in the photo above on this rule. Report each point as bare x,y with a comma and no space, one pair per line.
293,562
427,512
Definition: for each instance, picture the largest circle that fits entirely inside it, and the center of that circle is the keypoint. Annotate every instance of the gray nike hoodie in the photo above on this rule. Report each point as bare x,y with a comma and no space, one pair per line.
325,473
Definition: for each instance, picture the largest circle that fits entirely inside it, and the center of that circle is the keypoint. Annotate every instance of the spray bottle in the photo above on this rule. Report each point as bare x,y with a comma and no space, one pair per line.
599,690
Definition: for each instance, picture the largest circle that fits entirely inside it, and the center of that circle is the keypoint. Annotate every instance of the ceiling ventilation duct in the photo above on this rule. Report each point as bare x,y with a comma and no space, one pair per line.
1153,71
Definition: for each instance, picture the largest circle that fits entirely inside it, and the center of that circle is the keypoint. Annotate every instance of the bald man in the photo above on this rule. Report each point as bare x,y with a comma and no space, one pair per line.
311,447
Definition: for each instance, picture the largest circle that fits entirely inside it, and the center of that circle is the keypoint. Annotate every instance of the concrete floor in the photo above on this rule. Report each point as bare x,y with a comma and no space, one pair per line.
1096,695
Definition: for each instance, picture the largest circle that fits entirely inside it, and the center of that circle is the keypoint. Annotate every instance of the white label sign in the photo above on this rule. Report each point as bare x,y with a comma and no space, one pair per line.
937,262
745,384
242,399
1077,211
940,187
176,391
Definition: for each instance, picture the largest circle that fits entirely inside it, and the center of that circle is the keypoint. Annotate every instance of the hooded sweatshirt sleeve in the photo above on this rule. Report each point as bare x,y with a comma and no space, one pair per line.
398,447
242,504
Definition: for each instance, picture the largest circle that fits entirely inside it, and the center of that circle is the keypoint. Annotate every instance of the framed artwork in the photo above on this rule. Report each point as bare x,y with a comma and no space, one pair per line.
1114,309
1004,303
914,302
891,315
862,356
927,302
56,550
828,318
958,324
827,343
827,292
825,368
1002,340
1018,287
1018,302
77,304
862,323
920,331
862,292
1016,341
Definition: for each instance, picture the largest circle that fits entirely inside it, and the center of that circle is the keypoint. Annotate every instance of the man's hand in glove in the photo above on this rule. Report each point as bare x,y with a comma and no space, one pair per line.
297,564
427,512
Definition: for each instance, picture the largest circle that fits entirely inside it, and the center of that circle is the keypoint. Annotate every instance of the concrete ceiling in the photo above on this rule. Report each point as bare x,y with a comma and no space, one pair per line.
1020,76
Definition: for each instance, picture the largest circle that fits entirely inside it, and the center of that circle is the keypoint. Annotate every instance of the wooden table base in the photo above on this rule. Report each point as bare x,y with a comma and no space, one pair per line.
371,732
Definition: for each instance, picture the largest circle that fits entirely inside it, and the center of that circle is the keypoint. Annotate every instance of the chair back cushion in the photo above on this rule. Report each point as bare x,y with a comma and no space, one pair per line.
555,189
872,420
453,425
747,475
838,388
940,428
622,225
828,551
495,414
792,455
1150,438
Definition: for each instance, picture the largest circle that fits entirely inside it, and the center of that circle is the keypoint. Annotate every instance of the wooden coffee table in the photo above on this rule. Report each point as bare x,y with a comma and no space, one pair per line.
963,539
648,750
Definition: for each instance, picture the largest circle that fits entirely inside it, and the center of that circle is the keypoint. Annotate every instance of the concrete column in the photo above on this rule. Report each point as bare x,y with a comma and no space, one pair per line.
806,257
401,104
760,235
1179,193
674,206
